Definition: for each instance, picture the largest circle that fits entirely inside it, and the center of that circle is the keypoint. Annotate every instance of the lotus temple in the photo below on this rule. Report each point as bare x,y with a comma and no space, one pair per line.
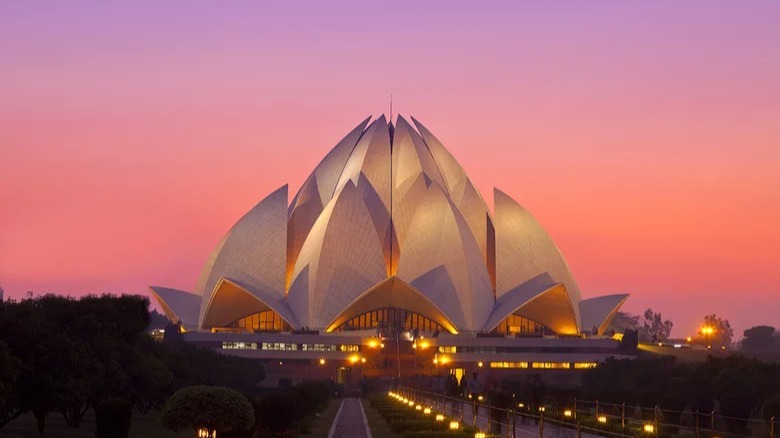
388,259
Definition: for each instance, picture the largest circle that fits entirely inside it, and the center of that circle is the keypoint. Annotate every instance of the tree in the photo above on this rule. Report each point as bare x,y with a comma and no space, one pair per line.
112,418
760,337
9,372
624,321
213,408
654,327
716,332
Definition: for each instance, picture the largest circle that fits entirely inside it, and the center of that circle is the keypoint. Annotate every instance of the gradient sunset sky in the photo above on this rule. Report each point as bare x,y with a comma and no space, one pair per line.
645,136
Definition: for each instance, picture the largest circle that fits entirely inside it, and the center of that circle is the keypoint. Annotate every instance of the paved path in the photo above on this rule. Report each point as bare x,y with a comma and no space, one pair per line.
350,421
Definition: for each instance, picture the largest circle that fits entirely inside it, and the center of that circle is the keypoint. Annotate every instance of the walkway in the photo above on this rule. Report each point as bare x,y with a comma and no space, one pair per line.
350,421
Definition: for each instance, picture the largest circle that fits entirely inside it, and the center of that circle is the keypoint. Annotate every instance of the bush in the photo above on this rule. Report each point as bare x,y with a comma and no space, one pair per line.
212,407
278,411
112,418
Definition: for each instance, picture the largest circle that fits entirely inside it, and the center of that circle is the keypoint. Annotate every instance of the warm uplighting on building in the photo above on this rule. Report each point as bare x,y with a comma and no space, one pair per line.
454,425
424,345
567,413
602,419
706,330
649,428
204,433
439,417
427,411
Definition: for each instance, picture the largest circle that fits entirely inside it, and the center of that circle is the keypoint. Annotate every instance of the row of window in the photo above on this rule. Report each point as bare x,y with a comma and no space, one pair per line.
284,346
545,365
391,318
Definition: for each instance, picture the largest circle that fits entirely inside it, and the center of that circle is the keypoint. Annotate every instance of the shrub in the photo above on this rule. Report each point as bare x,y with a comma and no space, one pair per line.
278,411
112,418
212,407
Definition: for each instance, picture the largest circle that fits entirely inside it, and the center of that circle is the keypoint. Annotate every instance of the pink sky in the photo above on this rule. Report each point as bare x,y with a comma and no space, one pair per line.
644,136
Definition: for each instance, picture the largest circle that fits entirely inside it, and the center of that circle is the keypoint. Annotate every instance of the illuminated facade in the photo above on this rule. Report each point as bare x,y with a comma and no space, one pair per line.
388,234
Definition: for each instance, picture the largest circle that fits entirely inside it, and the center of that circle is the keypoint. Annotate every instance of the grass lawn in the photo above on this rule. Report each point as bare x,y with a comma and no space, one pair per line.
321,425
378,425
142,426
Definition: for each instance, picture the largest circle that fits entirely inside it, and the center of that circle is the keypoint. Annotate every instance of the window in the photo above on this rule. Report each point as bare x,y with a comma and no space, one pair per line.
391,318
518,325
239,345
318,347
584,365
551,365
279,346
508,364
265,321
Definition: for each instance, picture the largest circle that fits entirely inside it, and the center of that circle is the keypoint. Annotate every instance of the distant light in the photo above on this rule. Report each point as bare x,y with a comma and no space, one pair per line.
382,345
480,398
479,364
688,339
521,405
280,362
660,344
649,428
372,343
418,407
363,360
411,403
677,345
454,425
480,435
204,433
541,408
322,362
354,358
427,411
567,413
439,417
602,419
424,345
723,348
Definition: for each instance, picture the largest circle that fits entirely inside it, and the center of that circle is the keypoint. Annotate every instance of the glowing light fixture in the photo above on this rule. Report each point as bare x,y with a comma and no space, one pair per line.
602,419
427,411
480,435
480,364
454,425
567,413
322,361
649,428
439,417
418,407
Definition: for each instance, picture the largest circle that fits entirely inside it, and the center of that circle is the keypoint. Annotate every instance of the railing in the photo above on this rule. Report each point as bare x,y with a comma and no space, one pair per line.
576,418
506,422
